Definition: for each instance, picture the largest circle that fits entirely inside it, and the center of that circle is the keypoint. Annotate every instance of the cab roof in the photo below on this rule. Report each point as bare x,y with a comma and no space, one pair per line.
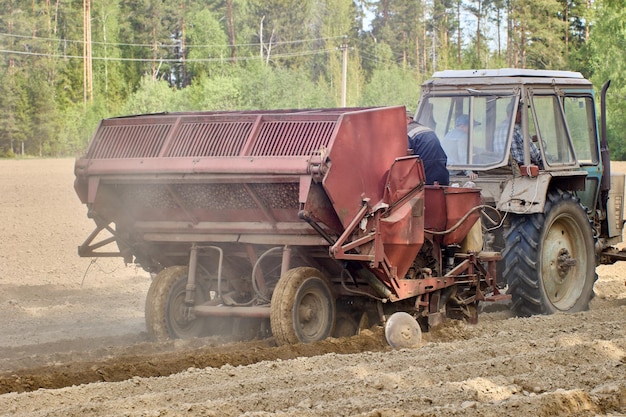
505,78
506,72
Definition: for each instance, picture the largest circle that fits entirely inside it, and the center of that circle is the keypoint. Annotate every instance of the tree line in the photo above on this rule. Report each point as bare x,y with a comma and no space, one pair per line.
67,64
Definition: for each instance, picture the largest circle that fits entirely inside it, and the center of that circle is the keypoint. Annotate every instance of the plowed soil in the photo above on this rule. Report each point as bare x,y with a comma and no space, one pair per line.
73,342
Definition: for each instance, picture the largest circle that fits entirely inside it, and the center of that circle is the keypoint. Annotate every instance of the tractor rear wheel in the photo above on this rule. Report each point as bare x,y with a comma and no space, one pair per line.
302,308
166,316
550,258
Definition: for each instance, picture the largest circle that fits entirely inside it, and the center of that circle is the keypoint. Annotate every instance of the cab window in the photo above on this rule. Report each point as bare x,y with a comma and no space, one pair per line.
551,132
473,130
579,113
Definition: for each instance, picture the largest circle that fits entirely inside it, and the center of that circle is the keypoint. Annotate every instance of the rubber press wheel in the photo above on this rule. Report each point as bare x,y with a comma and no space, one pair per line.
302,308
550,258
165,307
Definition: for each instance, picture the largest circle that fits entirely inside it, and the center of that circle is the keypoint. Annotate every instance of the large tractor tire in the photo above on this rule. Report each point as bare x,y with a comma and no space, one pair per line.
165,307
302,308
550,258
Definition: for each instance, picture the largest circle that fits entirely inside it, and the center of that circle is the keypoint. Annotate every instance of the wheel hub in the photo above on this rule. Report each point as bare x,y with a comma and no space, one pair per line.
564,263
181,314
305,312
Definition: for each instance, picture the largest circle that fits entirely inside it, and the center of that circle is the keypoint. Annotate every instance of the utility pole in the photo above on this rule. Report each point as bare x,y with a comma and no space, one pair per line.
344,72
87,60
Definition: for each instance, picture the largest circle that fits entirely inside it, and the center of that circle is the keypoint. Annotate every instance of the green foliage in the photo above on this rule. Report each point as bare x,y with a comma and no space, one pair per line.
153,96
110,86
391,86
7,153
218,93
156,56
9,98
45,139
78,124
608,42
267,88
204,30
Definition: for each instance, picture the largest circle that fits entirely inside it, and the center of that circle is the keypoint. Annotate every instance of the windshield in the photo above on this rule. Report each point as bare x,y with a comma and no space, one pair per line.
475,131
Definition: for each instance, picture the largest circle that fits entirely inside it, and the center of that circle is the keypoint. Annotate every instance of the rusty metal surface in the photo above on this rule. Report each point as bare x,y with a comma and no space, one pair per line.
190,166
240,169
213,134
336,181
460,202
364,150
450,212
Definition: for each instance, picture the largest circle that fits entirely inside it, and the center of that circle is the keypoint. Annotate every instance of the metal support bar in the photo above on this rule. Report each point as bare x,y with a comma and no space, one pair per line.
193,270
228,311
180,204
337,248
219,268
190,289
87,249
355,244
261,205
305,216
286,262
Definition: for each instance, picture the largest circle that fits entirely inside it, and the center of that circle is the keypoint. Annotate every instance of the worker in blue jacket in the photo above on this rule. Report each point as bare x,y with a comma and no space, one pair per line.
424,142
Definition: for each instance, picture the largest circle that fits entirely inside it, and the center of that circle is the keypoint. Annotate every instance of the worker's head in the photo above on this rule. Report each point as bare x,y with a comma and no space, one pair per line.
463,122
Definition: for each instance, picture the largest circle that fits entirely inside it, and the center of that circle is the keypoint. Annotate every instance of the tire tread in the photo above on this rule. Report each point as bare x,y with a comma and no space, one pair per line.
521,256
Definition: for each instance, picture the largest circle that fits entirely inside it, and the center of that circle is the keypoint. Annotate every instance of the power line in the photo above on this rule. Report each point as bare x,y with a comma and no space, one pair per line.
163,45
168,60
374,58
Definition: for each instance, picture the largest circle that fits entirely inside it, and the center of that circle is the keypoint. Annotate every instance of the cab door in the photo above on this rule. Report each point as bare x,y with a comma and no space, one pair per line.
581,121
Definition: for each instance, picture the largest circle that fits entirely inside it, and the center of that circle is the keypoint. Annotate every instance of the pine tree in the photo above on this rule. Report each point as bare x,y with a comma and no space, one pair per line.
537,38
284,31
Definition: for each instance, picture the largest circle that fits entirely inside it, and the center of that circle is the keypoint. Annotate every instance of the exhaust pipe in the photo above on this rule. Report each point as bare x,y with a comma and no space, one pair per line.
605,185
